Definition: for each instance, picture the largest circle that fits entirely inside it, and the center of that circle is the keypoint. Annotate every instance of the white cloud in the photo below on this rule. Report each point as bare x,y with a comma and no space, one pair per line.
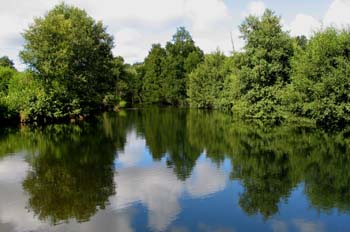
338,14
135,24
304,25
210,23
256,8
308,226
150,12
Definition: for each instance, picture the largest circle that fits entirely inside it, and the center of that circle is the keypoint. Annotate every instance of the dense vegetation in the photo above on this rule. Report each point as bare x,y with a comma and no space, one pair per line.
72,73
71,69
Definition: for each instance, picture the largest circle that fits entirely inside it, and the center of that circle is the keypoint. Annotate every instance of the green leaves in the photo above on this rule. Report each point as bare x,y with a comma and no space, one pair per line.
70,53
6,62
166,69
263,69
207,81
321,79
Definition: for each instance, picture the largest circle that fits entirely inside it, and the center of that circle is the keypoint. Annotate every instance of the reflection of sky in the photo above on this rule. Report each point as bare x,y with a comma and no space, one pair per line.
159,190
135,152
149,197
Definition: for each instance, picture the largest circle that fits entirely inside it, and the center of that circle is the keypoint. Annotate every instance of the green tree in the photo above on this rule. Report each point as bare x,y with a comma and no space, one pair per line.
7,73
263,69
182,56
153,73
301,41
70,53
5,61
207,81
137,74
320,87
27,97
124,74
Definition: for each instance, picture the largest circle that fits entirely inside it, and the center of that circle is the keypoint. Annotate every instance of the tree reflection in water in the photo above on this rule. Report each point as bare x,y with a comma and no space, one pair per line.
72,172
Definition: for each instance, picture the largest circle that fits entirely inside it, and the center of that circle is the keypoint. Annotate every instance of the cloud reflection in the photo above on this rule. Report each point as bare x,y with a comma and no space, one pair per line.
157,188
133,150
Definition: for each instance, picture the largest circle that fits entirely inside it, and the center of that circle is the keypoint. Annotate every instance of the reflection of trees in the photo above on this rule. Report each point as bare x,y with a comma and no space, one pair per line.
208,131
11,141
166,135
72,168
271,161
326,173
263,166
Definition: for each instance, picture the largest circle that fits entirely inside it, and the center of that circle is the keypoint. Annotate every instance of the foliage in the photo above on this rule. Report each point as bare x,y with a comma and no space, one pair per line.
124,75
207,82
183,56
72,73
320,87
70,53
5,61
166,70
6,75
137,72
152,91
263,68
28,98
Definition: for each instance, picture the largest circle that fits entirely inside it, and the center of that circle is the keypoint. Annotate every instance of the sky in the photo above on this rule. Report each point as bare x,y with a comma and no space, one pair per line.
137,24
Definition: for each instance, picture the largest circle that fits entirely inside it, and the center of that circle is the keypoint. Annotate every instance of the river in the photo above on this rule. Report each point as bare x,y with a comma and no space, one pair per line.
163,169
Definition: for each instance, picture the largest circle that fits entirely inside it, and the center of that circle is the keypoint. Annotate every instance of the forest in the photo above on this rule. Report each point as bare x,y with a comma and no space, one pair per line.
72,74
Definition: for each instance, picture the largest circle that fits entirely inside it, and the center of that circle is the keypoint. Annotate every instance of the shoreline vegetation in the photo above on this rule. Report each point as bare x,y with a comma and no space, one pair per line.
72,74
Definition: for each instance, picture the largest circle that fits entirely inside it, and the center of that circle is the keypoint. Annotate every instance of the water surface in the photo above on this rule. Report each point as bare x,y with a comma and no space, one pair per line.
173,170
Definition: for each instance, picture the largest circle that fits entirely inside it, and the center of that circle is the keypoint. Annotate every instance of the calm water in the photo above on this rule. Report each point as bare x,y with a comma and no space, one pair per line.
173,170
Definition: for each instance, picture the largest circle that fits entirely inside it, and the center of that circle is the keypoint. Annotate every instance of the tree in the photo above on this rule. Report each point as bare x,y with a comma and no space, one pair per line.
182,56
70,53
301,41
27,97
137,74
320,87
207,81
6,62
6,75
153,73
263,67
123,75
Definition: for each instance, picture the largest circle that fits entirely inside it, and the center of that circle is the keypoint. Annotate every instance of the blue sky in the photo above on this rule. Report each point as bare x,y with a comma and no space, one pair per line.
136,24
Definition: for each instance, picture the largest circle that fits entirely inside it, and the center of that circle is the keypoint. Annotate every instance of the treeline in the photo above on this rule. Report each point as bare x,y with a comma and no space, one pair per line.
276,77
72,73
